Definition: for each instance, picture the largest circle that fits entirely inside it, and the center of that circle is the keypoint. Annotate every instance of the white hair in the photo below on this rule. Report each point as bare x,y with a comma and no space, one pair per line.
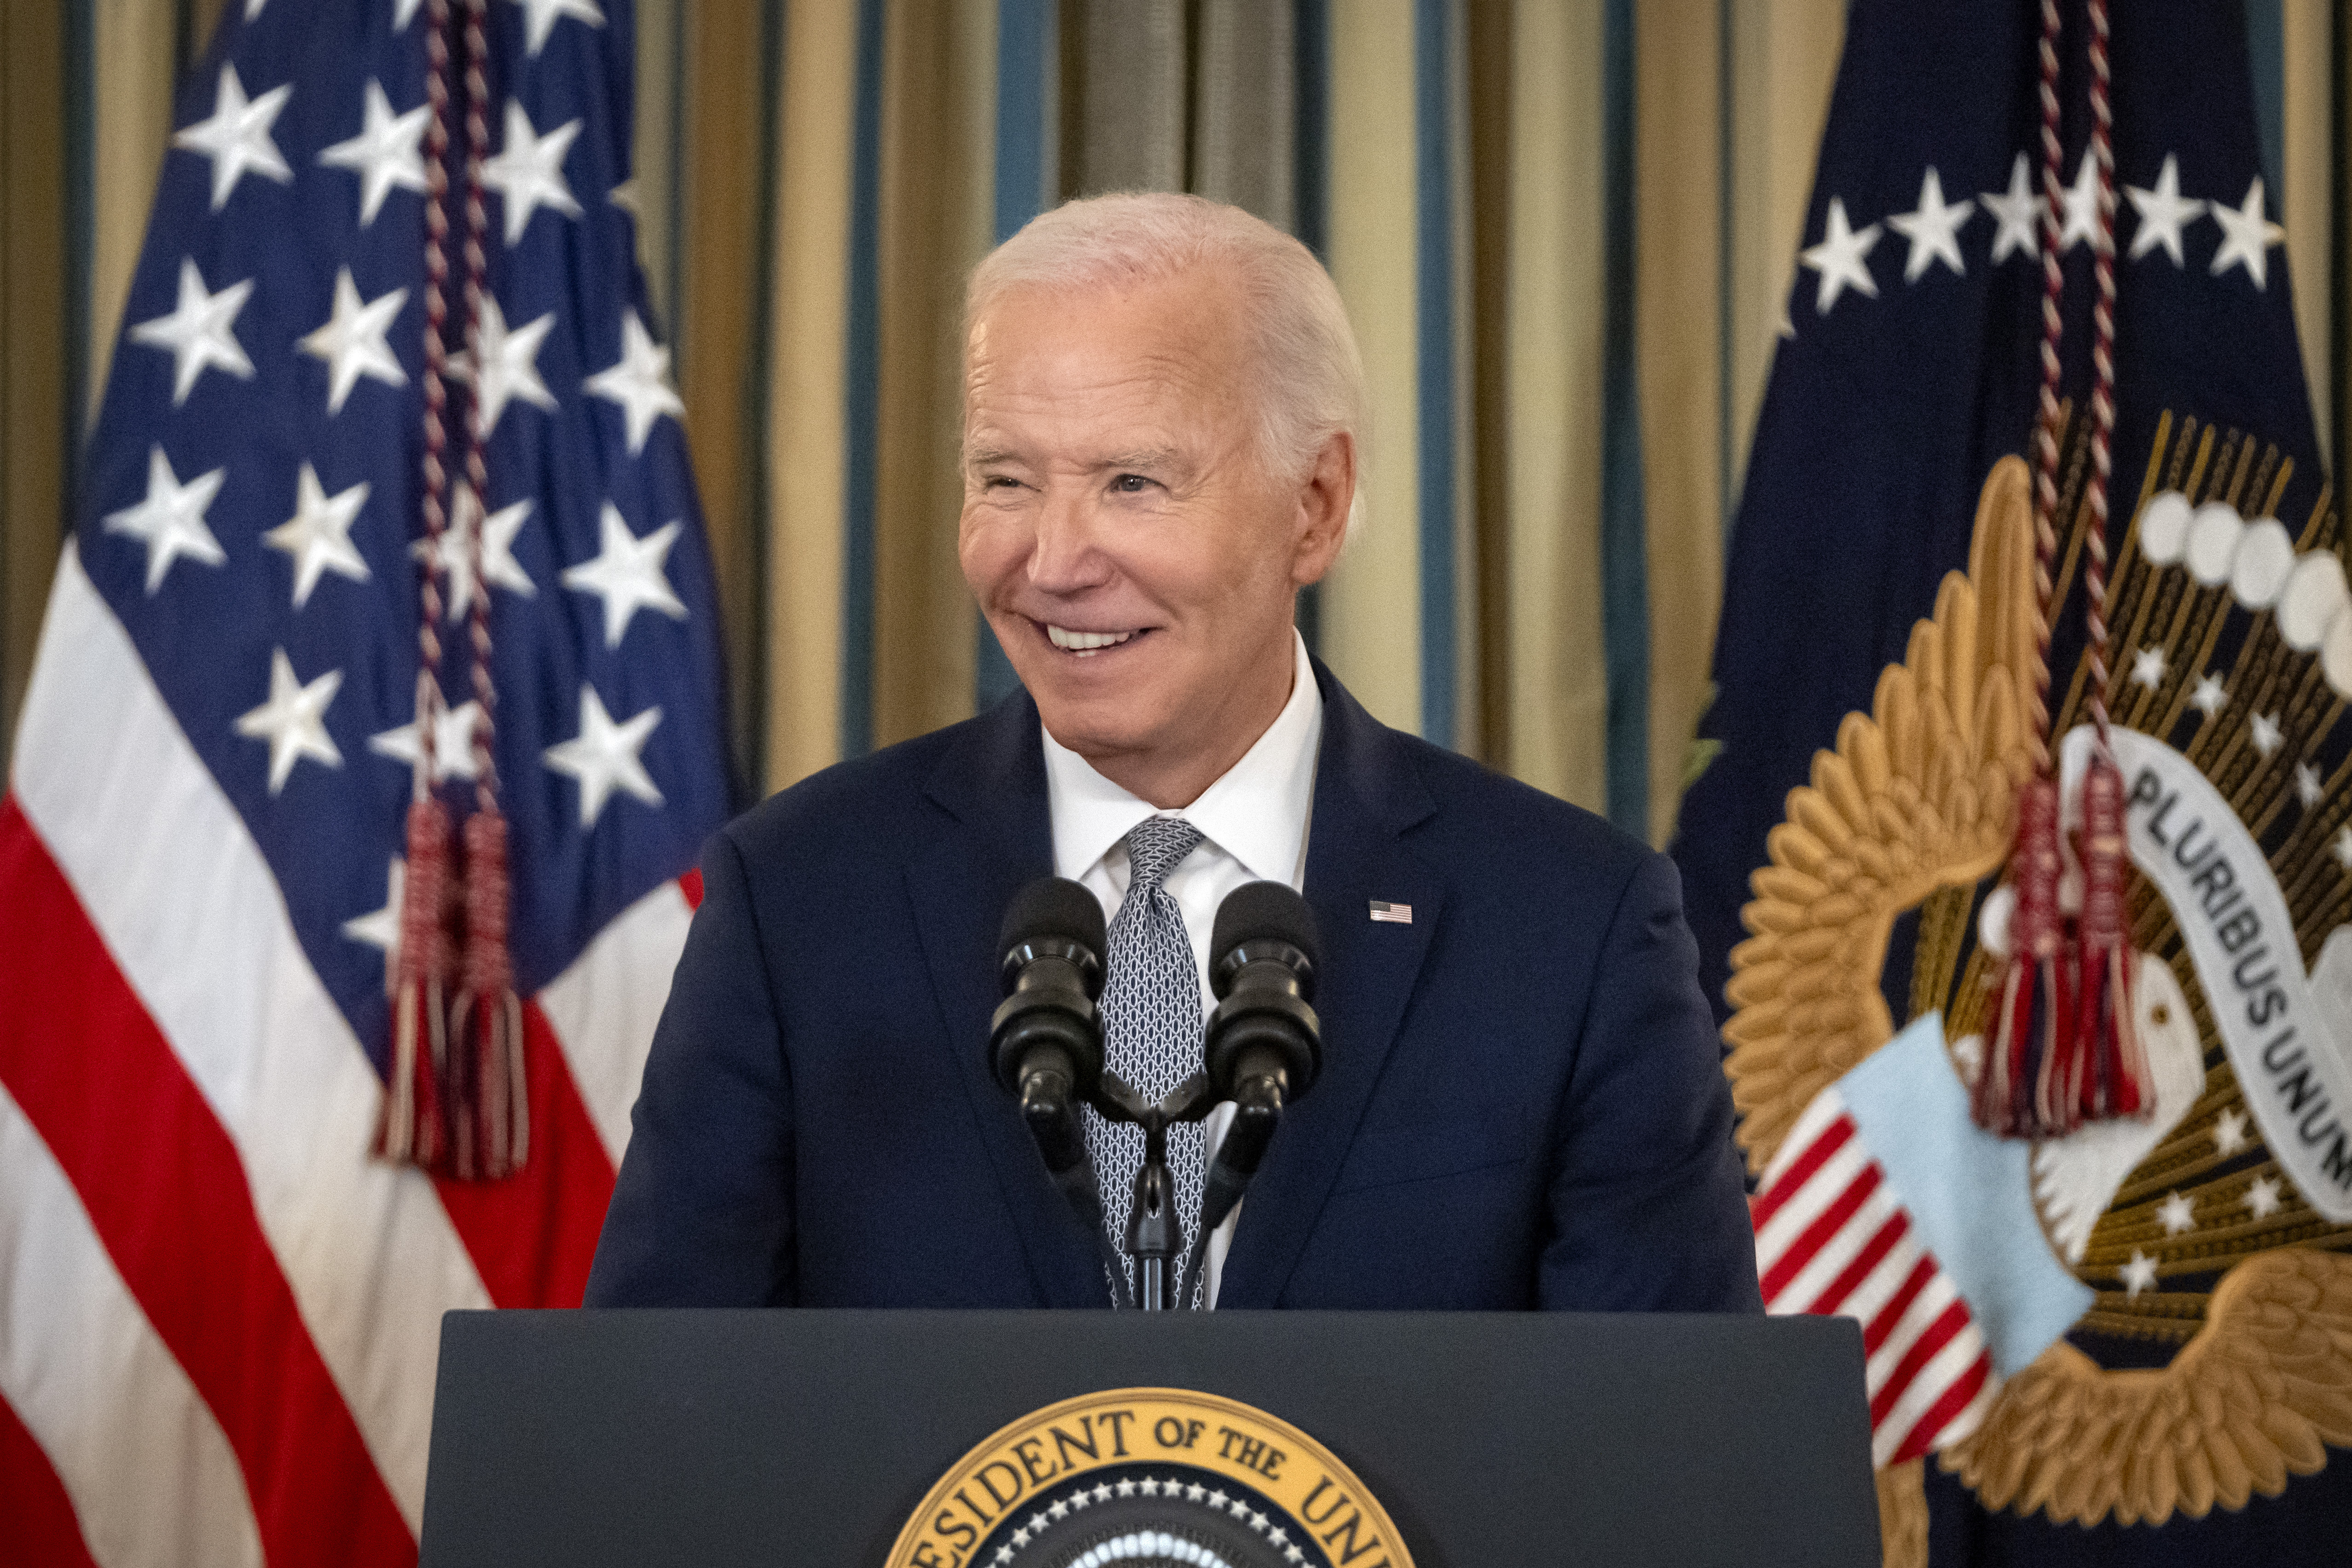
1311,374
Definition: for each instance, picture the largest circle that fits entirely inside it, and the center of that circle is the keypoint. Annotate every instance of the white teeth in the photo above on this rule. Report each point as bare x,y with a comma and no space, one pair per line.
1084,642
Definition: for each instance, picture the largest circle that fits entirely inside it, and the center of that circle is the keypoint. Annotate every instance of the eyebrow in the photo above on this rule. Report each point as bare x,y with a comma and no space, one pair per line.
1157,458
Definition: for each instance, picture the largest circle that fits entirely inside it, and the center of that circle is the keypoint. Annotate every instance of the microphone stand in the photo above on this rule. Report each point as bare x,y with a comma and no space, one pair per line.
1154,1236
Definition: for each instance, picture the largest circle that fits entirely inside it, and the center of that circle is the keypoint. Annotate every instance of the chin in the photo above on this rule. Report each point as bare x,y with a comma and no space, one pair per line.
1095,725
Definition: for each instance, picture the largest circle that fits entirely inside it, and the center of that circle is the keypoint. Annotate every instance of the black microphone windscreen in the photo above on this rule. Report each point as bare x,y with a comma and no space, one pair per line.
1263,911
1050,907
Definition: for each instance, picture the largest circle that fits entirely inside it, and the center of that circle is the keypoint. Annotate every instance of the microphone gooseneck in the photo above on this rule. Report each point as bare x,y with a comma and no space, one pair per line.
1264,1045
1046,1040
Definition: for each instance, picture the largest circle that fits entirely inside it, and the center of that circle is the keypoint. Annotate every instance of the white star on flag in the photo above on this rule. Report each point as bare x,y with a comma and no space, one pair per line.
2342,847
294,720
170,520
2307,788
2147,667
627,573
198,332
528,171
1838,258
544,13
319,535
637,381
604,756
456,562
2017,211
1933,228
2079,206
380,928
2138,1275
352,341
2210,697
453,742
2163,214
2263,1197
2176,1214
2267,736
511,365
2246,237
403,13
236,137
385,154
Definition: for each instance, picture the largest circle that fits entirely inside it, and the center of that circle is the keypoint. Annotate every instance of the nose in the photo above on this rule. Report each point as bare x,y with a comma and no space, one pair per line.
1065,556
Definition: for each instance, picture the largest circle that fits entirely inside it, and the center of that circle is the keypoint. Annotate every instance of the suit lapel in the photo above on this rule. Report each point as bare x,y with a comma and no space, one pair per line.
992,783
1367,793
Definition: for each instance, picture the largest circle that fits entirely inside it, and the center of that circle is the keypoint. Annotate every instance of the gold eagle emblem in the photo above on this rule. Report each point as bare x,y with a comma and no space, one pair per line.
2194,1239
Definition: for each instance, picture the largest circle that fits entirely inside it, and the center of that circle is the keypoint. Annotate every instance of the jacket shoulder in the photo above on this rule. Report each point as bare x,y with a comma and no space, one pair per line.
1484,818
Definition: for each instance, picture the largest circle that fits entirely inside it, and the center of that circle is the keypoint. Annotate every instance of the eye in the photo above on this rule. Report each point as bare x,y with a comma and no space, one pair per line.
999,482
1131,484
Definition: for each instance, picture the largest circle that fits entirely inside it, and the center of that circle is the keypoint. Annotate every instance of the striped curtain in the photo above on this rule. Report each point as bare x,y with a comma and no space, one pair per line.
1564,230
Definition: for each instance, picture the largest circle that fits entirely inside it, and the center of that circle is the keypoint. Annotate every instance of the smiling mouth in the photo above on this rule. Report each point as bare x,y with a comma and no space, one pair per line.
1086,644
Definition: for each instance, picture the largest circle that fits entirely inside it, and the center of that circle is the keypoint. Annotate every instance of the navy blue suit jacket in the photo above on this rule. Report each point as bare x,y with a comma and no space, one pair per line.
1521,1106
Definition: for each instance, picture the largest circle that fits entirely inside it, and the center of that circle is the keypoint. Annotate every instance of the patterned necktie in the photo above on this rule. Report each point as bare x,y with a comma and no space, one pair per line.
1151,1024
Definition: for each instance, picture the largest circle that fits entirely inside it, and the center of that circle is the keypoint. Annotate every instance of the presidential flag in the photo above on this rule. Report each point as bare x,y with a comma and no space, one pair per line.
2131,1344
218,1311
1909,358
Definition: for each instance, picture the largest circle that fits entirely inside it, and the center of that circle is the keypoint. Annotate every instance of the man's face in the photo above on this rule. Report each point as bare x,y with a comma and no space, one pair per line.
1132,552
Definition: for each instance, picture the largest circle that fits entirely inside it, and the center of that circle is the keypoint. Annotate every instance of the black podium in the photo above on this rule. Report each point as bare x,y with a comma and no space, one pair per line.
1479,1440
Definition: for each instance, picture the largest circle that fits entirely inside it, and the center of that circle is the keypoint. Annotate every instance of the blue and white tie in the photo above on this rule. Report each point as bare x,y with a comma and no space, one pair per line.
1151,1023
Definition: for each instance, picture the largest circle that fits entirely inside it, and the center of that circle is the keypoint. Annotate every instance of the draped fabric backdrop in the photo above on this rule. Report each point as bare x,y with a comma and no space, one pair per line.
1565,231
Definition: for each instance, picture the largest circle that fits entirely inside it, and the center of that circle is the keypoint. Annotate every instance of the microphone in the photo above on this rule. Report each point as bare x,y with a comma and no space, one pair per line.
1045,1039
1264,1045
1264,1039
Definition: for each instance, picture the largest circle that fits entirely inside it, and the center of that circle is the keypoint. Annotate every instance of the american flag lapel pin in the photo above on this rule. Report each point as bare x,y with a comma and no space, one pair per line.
1392,913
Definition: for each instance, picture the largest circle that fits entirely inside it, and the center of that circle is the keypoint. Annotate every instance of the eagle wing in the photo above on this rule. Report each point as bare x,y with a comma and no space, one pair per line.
1916,797
2235,1413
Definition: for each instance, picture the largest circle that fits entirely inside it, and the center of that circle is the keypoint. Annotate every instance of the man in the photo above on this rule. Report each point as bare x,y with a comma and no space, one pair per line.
1521,1104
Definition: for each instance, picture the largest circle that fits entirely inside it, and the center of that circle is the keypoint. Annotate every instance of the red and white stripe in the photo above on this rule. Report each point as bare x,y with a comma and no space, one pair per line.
1833,1238
219,1317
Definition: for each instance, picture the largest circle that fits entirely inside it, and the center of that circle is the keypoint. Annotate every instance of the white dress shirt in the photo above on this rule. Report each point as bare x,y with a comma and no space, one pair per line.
1253,823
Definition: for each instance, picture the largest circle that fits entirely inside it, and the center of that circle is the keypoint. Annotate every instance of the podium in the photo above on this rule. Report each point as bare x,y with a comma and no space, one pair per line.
856,1438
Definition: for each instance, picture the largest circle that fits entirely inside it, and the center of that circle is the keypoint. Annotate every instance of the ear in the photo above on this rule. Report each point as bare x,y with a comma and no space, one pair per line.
1324,501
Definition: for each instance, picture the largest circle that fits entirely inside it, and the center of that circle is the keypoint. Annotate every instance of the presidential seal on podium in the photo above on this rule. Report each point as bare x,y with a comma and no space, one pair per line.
1145,1477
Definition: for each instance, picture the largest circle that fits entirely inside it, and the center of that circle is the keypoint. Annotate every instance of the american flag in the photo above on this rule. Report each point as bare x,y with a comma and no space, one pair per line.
218,1313
1832,1237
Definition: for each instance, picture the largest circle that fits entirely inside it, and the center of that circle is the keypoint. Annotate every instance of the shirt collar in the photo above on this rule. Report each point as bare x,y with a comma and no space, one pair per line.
1256,811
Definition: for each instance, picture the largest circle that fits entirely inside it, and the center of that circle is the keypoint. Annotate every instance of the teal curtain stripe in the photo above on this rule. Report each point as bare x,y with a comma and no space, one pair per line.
80,242
1028,49
1028,55
861,393
1625,536
673,214
1432,101
1727,497
1311,194
751,680
1310,138
2266,52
